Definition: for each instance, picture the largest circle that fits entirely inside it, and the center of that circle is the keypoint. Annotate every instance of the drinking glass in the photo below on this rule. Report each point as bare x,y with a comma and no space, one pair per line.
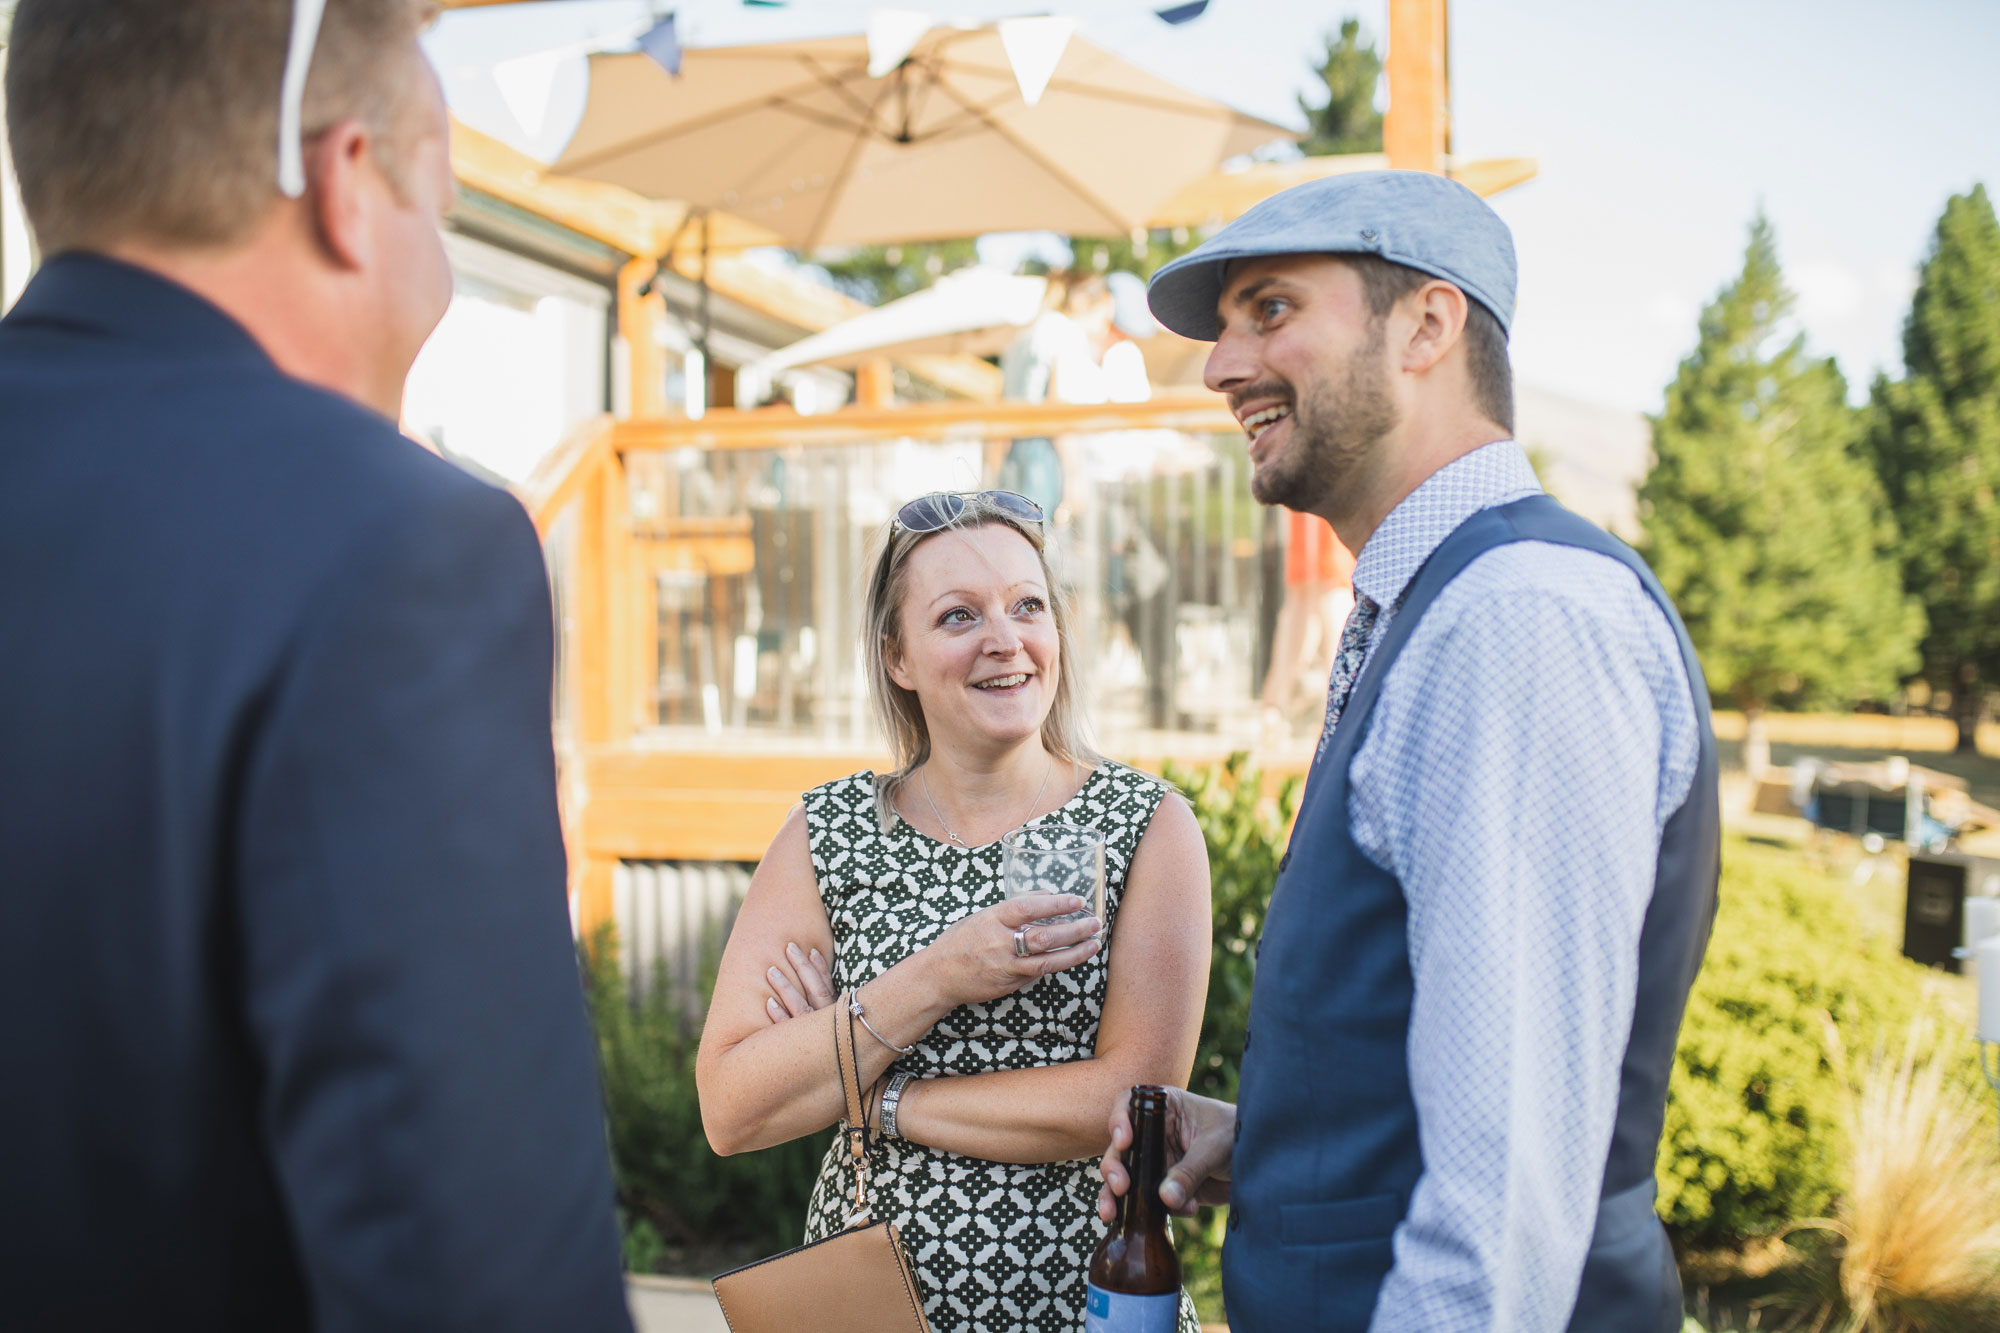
1055,858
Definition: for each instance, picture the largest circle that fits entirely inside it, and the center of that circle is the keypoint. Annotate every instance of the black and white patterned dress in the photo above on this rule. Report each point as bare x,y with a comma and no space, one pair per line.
998,1248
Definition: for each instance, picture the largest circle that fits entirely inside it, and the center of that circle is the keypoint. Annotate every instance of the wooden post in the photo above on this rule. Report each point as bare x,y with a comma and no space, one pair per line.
593,894
638,323
1416,129
874,384
621,708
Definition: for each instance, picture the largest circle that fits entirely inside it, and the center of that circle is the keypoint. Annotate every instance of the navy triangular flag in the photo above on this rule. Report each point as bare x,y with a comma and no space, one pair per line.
663,43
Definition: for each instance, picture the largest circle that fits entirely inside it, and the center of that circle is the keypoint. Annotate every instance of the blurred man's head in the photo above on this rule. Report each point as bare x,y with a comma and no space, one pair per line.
149,130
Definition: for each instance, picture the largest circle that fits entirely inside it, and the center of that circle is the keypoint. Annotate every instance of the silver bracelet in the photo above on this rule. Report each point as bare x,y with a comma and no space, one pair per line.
892,1097
854,1007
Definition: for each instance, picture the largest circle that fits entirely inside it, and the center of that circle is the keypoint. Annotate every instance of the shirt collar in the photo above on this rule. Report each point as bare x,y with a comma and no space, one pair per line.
110,298
1491,475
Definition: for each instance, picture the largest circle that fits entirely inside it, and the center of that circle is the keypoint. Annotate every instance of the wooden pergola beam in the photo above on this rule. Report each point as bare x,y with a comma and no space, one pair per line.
1416,129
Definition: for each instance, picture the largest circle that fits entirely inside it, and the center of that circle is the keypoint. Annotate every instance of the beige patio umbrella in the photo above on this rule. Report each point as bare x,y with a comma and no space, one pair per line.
799,138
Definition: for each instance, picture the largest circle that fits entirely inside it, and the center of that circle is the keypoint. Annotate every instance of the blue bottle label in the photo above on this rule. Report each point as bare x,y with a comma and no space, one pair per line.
1115,1312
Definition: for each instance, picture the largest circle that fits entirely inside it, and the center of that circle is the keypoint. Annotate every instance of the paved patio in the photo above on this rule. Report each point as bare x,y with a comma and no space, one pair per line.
673,1305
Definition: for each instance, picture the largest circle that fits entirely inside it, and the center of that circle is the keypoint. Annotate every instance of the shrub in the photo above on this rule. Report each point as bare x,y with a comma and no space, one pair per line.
1919,1216
1245,833
1753,1139
673,1192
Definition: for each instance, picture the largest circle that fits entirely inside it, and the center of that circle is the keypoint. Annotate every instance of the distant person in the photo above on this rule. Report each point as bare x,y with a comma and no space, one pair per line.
993,1036
1056,359
293,1032
1500,885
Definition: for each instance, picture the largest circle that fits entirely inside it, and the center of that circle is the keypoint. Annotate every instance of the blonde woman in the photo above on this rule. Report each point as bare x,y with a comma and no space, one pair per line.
997,1040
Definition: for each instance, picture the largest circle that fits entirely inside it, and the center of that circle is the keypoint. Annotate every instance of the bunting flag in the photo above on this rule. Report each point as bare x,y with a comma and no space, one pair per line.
1182,13
663,43
1034,48
525,83
892,35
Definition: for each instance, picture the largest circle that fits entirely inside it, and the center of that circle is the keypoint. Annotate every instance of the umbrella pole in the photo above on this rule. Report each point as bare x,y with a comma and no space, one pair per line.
701,342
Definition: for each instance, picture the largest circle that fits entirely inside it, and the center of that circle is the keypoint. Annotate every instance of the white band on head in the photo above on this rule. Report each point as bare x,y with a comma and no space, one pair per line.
292,96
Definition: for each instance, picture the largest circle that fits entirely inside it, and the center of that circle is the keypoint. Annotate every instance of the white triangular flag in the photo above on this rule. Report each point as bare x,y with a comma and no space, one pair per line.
1034,48
525,83
892,35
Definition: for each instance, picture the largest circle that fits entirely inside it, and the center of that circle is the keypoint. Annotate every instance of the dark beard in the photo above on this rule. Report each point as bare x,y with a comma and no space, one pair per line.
1335,432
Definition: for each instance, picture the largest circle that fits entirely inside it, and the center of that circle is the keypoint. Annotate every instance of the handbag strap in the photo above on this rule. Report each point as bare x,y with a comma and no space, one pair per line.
856,1129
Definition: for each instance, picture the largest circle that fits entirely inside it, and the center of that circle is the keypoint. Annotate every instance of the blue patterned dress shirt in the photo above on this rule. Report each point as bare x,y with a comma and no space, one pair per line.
1525,752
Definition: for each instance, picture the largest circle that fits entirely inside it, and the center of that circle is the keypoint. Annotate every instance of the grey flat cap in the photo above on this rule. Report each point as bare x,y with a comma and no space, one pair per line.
1410,217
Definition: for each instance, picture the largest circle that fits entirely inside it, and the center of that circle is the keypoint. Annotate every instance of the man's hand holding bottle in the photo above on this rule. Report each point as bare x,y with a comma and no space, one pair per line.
1201,1135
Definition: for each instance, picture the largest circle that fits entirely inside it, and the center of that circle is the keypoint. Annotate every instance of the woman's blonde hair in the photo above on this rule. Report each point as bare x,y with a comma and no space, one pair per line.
898,710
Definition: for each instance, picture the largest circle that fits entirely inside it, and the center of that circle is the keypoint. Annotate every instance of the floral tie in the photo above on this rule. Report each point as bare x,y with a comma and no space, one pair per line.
1347,663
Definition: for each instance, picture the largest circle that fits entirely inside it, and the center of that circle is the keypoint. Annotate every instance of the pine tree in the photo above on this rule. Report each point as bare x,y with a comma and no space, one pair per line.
1763,519
1935,441
1349,122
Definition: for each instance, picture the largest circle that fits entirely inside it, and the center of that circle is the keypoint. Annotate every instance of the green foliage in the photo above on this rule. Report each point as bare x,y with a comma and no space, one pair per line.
1245,833
1348,122
1763,519
1142,253
879,273
672,1190
1935,440
1753,1140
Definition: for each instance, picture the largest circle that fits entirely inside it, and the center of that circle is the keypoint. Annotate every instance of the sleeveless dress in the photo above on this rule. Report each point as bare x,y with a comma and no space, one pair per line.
997,1247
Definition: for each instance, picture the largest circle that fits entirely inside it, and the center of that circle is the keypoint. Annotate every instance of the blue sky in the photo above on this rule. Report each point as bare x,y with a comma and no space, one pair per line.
1660,130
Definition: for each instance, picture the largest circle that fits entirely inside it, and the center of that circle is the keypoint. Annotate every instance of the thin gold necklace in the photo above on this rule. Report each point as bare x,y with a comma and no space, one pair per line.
938,814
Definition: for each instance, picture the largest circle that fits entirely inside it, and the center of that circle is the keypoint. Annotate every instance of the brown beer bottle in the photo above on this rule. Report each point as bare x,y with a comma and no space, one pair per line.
1135,1276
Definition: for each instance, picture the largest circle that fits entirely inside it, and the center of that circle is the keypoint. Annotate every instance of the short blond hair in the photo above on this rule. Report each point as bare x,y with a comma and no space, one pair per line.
1064,734
157,120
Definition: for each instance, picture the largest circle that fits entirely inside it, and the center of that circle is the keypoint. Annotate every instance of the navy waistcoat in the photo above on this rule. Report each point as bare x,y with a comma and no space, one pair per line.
1327,1152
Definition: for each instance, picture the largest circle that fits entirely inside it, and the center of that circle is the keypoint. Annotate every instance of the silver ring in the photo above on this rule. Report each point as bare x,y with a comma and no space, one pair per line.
1021,943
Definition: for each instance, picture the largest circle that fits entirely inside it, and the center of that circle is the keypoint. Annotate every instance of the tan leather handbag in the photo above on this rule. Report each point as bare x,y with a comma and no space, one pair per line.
857,1280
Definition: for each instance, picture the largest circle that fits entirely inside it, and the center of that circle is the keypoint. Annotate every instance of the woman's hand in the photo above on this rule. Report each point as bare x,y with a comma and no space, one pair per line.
976,958
806,987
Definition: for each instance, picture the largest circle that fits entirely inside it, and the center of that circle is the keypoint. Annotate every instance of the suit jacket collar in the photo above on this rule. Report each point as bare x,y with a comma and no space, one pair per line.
106,297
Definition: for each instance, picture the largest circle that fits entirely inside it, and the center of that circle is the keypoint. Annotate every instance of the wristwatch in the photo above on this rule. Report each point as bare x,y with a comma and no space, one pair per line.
891,1097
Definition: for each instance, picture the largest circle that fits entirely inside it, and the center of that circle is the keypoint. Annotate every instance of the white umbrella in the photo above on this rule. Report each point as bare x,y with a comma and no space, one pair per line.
800,138
975,311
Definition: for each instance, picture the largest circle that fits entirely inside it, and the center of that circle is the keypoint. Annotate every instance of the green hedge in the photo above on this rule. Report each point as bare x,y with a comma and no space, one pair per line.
1753,1139
1245,833
682,1206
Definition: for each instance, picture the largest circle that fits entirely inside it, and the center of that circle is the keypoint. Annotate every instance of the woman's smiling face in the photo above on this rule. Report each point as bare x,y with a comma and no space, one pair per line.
978,637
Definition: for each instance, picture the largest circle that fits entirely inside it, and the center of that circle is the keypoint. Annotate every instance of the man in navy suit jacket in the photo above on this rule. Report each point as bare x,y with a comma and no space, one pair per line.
290,1020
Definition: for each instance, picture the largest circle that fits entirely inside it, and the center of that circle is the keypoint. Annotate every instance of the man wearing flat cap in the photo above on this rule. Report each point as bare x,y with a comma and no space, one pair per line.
1502,880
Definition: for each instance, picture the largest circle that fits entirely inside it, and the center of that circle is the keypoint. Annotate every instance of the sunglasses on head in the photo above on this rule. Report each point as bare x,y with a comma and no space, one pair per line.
306,15
941,509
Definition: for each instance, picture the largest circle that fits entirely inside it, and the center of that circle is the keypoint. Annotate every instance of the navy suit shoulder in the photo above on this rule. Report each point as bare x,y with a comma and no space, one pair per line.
286,980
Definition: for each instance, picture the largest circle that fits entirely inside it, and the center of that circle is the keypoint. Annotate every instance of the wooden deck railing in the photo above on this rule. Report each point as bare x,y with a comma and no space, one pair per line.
630,511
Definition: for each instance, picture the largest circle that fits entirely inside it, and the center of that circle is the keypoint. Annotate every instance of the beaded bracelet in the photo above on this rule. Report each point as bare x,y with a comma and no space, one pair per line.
854,1007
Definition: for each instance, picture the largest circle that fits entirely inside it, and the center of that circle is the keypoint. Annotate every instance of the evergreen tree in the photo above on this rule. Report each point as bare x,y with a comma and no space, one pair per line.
1935,439
1763,519
1349,122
